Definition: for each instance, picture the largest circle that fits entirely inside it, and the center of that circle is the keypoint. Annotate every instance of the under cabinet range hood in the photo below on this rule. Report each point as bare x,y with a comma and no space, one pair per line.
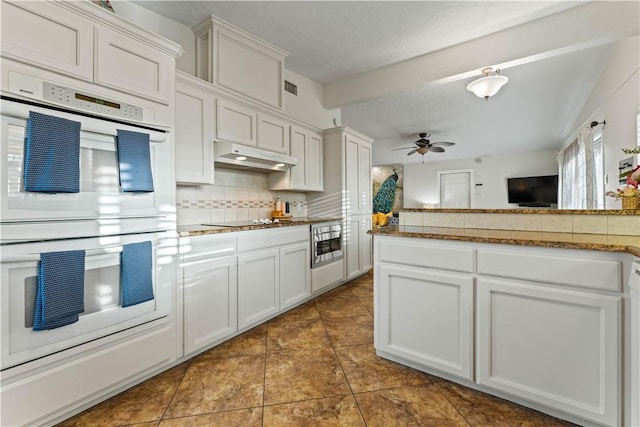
244,157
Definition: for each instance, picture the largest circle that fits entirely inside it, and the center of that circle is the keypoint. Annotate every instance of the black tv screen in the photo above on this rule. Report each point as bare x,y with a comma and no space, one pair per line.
533,190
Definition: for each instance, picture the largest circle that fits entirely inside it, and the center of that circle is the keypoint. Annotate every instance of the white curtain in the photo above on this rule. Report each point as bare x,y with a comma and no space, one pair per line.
577,174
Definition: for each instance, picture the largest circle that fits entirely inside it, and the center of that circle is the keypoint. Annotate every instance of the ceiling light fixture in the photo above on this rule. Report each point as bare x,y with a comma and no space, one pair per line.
487,86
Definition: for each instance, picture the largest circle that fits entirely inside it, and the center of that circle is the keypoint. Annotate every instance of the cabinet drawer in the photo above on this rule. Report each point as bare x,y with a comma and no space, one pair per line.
405,251
199,248
47,36
571,268
132,67
261,239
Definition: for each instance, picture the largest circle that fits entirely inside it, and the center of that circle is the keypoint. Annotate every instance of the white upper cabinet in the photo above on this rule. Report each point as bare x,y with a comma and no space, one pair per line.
235,60
306,175
314,163
45,35
236,123
357,153
84,41
133,67
273,134
195,128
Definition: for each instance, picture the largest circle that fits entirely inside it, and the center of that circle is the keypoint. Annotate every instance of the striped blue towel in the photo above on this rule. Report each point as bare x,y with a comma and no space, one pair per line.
51,154
136,275
134,162
60,295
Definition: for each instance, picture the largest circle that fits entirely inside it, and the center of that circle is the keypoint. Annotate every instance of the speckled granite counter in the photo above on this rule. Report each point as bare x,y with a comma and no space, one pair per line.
596,242
542,211
200,230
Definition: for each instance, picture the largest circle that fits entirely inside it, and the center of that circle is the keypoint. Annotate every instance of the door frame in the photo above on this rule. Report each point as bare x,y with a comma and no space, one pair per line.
472,184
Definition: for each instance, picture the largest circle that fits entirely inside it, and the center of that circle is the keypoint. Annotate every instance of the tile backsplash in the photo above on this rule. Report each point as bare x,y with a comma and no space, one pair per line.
237,195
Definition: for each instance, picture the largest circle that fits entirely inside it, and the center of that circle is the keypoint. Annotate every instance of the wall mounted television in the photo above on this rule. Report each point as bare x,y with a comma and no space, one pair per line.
533,191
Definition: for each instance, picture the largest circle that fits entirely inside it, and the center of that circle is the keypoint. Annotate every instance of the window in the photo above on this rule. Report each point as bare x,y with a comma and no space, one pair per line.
598,159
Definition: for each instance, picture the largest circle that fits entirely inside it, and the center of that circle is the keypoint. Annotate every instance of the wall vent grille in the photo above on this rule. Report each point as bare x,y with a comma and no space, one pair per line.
291,88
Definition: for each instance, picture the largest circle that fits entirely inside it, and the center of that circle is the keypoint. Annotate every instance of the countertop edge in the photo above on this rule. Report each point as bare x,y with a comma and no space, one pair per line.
603,247
203,230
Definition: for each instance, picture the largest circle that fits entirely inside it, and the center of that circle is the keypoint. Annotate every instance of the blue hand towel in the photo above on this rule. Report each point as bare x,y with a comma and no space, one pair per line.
60,296
134,162
136,274
51,154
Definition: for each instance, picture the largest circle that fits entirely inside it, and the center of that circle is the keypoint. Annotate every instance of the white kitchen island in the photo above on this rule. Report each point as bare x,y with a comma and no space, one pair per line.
537,318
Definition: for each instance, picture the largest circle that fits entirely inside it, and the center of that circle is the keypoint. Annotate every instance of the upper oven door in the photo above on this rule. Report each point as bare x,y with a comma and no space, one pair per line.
100,195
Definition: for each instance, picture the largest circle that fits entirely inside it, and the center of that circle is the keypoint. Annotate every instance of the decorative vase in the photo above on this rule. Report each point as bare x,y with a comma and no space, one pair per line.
631,203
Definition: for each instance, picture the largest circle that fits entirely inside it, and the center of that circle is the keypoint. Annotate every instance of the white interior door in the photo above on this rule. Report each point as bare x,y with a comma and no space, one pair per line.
455,189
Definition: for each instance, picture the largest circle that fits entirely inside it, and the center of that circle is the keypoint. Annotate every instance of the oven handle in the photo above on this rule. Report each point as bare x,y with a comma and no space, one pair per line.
93,125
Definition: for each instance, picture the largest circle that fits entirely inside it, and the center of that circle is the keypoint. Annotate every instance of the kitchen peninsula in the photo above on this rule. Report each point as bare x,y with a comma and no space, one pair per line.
536,306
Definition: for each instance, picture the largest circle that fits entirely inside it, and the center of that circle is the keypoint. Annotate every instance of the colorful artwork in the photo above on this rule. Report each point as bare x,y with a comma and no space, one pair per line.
387,188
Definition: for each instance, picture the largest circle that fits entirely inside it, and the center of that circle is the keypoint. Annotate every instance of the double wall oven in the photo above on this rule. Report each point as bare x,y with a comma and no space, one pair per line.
99,219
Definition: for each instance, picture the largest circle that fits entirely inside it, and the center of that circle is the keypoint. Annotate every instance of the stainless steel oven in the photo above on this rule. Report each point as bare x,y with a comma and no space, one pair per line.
326,243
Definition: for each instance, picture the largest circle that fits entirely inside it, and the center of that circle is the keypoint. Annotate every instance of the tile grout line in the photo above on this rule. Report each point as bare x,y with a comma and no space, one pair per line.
190,361
333,347
264,374
435,384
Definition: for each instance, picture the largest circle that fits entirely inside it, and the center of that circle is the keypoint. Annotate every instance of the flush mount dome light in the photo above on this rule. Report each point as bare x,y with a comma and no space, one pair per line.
487,86
241,158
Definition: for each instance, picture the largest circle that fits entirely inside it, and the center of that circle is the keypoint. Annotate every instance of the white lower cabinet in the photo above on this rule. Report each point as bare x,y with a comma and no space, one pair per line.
553,346
295,275
210,302
426,317
258,286
552,326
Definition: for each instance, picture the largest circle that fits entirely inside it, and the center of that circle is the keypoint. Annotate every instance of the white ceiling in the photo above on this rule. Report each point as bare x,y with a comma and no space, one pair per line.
331,41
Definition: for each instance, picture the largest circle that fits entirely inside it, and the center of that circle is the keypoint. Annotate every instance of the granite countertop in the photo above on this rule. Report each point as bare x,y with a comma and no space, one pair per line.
596,242
200,229
530,211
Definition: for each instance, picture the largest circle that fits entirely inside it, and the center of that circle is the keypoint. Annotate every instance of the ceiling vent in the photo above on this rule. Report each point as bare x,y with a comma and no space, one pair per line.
291,88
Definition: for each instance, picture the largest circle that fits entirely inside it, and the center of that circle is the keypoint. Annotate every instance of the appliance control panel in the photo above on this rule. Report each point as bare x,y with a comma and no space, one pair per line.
65,96
40,89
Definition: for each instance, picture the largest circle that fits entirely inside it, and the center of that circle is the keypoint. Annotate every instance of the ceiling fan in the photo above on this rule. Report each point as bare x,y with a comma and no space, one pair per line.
423,146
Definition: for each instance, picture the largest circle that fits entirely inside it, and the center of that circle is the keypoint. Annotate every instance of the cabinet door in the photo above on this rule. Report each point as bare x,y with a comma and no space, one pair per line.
352,162
133,67
210,302
236,123
273,134
426,317
47,36
295,283
195,121
556,347
351,250
314,162
299,147
258,286
364,178
364,248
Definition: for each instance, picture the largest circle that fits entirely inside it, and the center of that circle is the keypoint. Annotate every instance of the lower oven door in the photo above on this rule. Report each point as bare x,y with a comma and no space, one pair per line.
103,315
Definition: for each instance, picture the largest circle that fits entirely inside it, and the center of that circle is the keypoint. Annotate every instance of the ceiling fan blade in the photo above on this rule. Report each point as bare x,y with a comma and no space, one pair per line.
443,144
403,148
437,150
411,152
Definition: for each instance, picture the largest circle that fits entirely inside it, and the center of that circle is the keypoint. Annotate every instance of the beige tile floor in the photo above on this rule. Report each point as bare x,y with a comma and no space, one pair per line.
312,366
